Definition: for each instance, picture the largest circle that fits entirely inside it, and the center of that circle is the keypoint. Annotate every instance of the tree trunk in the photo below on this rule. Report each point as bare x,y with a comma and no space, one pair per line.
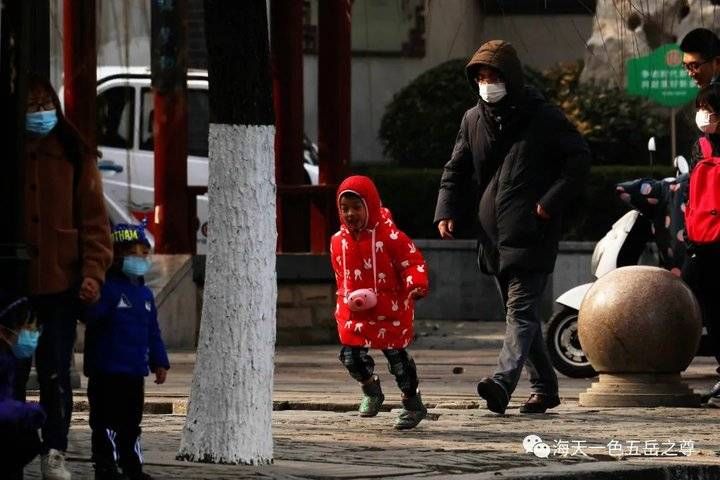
230,408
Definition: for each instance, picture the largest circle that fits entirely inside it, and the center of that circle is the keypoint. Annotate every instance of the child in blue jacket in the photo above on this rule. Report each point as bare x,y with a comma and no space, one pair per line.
122,345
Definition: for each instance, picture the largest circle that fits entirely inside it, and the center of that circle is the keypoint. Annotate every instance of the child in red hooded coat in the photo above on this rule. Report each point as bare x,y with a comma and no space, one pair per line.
379,273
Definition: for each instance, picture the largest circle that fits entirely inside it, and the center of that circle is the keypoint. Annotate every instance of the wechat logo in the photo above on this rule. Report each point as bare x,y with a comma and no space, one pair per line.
534,444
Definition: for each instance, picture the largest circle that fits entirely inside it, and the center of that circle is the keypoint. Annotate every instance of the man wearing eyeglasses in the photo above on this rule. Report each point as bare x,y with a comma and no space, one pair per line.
701,56
701,59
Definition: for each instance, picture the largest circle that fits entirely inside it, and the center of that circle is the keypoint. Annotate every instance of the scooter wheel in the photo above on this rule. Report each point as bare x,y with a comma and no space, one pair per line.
563,343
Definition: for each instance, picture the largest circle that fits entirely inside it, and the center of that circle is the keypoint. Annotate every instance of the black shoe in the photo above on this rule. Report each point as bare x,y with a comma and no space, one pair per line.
538,403
494,394
108,472
713,393
139,476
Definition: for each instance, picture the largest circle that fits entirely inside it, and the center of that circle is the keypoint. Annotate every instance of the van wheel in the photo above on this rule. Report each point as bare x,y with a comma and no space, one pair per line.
563,343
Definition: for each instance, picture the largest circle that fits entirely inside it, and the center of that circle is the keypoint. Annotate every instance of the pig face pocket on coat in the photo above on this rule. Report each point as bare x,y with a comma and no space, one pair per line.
361,299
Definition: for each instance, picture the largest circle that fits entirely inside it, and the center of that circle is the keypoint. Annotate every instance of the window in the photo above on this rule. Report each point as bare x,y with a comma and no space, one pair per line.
115,117
380,28
539,7
146,120
198,121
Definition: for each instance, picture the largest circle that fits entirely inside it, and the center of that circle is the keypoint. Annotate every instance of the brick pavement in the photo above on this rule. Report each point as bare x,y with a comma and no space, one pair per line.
317,437
311,444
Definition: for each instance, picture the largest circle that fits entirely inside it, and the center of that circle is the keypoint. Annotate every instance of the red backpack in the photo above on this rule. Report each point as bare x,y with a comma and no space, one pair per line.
702,217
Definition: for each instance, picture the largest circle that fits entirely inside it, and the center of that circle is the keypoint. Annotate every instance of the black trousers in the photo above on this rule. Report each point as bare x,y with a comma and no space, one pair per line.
116,407
57,315
362,366
700,272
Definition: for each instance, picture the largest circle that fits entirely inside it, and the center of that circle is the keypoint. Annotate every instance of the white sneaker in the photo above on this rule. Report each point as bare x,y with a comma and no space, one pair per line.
52,466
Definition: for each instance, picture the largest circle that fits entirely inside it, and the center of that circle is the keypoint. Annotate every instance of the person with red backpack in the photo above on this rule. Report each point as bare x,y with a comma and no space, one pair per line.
702,218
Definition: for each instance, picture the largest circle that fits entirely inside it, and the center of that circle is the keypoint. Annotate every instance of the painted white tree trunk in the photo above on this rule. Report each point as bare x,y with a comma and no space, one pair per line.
230,409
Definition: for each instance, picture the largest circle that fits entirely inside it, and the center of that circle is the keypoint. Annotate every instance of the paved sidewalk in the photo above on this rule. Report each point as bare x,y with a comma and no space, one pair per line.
317,435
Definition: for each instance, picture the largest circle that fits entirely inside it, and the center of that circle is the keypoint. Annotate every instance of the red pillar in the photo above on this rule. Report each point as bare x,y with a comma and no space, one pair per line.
333,111
286,24
80,63
174,232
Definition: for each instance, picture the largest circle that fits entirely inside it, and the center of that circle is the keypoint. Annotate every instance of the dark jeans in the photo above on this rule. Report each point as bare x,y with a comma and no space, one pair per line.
523,344
57,315
362,366
116,408
700,272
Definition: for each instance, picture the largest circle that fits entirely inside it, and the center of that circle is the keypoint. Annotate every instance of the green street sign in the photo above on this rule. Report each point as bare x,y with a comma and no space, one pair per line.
661,77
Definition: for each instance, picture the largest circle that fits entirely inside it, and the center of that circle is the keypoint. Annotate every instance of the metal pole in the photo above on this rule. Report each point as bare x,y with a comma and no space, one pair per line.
173,229
673,132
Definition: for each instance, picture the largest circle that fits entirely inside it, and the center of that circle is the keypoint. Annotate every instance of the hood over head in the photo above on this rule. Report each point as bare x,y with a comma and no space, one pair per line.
364,188
500,55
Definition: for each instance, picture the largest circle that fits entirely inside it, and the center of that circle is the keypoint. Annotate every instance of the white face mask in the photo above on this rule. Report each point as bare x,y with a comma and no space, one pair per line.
492,92
702,119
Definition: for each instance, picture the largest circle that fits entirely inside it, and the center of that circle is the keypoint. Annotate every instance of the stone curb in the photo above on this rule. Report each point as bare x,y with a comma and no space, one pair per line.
605,471
178,405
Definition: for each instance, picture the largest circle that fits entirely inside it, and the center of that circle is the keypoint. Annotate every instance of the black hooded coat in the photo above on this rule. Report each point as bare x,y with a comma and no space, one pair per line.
522,151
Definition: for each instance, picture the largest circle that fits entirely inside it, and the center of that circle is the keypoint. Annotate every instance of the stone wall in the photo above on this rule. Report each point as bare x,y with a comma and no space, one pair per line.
306,288
305,313
306,291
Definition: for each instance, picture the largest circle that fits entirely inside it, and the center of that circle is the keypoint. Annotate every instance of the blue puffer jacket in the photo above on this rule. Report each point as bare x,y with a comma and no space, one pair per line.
122,333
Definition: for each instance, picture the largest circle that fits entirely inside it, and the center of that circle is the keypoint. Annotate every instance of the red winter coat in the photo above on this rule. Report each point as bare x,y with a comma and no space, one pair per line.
399,269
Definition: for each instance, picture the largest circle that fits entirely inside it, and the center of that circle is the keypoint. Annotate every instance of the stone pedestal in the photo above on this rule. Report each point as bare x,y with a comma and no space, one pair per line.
639,390
640,327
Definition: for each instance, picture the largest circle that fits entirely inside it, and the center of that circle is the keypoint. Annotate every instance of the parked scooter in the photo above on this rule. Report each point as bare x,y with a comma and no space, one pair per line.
649,234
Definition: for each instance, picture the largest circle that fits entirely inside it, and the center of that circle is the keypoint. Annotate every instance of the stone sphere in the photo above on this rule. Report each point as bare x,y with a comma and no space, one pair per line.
639,319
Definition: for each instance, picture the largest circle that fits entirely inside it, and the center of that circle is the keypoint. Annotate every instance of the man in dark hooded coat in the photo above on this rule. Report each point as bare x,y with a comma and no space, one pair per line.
530,162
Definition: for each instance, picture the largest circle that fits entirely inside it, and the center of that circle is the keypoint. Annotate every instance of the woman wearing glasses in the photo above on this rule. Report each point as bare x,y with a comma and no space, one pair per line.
67,230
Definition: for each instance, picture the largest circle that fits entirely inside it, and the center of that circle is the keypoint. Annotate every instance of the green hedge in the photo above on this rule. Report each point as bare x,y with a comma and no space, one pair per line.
419,126
420,123
411,194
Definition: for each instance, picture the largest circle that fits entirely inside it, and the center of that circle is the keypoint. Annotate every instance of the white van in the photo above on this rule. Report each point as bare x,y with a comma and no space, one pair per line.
125,138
